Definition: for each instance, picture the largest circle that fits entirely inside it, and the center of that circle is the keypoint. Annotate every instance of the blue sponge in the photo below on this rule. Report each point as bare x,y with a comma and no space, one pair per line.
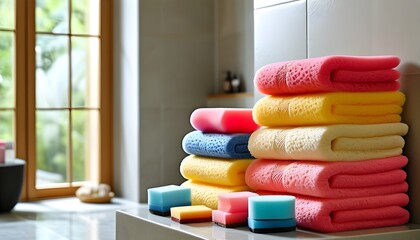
271,226
271,207
162,199
217,145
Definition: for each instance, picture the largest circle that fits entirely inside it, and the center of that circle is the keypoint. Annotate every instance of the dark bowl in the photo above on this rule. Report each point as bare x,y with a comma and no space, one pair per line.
11,180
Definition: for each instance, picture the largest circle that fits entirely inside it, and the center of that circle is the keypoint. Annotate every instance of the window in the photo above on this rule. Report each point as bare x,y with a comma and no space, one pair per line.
55,79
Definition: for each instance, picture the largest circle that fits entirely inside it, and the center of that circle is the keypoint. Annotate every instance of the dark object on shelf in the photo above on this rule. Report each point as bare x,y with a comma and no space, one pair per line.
227,83
235,83
11,180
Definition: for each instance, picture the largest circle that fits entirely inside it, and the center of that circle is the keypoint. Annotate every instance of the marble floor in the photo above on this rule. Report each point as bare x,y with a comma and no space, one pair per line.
61,219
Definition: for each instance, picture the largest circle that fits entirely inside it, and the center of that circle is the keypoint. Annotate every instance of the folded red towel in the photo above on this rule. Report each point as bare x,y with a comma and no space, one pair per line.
330,73
329,179
334,215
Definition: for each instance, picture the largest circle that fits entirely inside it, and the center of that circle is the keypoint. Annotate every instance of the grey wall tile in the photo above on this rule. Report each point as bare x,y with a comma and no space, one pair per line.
176,74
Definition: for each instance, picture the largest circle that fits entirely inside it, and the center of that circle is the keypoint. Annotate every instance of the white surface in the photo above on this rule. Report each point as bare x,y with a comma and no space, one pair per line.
279,34
361,27
130,223
269,3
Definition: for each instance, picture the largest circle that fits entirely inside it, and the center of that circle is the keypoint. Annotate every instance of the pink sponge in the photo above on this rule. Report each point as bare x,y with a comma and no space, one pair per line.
232,209
235,202
230,220
223,120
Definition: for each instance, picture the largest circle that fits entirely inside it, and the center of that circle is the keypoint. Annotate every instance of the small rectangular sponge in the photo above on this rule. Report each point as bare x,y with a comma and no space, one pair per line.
229,220
274,207
234,202
191,214
162,199
271,226
223,120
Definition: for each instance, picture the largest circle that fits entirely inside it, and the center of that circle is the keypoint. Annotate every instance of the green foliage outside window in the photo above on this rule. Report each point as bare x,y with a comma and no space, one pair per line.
6,69
52,131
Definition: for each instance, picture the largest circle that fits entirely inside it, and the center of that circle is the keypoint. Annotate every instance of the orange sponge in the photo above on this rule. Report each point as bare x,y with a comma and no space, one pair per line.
191,214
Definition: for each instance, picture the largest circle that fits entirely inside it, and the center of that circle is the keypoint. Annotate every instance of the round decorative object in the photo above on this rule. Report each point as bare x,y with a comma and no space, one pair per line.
95,193
96,199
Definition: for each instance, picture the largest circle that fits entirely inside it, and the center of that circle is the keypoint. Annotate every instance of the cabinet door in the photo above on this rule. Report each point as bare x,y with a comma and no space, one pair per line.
279,33
366,27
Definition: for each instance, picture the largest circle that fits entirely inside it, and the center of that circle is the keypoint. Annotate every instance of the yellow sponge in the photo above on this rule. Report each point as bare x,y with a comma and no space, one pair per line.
228,172
191,214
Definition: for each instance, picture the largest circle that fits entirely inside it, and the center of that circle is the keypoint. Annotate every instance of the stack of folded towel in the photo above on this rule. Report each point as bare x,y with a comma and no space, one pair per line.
219,154
332,137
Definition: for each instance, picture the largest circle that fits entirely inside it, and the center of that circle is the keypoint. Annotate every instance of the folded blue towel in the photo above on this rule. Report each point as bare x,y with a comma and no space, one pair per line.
217,145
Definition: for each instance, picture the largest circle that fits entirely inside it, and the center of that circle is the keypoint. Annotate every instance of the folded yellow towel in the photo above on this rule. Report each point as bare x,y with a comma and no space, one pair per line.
329,143
229,172
207,194
329,108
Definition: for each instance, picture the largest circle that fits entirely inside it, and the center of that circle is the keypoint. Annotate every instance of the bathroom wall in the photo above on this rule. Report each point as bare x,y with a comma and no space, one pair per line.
176,75
168,57
126,99
279,32
234,36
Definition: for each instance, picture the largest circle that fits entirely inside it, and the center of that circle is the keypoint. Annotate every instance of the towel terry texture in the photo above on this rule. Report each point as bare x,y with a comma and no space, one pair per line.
329,108
335,215
223,120
219,171
329,143
217,144
329,179
207,194
330,73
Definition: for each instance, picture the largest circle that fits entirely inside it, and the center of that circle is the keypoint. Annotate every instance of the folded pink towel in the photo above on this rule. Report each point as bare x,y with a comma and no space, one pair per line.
330,73
329,179
223,120
334,215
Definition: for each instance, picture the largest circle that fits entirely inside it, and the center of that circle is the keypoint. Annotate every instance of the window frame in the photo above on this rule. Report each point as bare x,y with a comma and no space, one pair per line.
25,111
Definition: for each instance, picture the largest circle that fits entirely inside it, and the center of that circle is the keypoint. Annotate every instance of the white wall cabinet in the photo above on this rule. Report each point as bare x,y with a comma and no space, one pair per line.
279,33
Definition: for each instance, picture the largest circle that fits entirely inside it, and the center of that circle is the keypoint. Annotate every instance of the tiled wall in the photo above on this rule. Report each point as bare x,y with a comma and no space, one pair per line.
176,75
165,67
234,42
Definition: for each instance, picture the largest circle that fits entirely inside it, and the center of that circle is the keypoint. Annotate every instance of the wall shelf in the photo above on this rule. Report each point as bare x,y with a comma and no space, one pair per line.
233,100
231,95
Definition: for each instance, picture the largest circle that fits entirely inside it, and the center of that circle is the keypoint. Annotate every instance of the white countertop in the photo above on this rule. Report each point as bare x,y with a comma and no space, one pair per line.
142,219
